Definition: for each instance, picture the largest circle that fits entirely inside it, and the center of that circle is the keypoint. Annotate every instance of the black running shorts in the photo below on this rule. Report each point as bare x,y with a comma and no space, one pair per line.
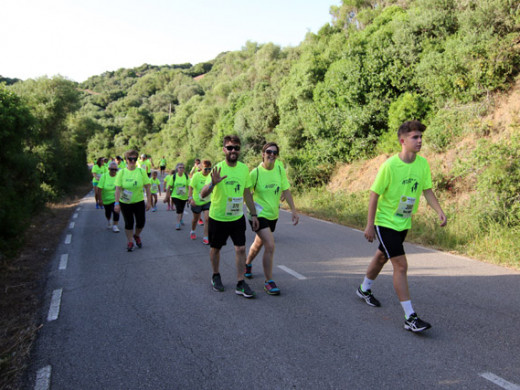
390,241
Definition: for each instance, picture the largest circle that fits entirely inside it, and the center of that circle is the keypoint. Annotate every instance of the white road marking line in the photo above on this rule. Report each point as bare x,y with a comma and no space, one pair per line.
293,273
54,309
79,208
68,238
75,215
71,225
63,261
499,381
321,220
43,378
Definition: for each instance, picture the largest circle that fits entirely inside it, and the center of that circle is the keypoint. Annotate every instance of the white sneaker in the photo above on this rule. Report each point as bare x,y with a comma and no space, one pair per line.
115,229
109,226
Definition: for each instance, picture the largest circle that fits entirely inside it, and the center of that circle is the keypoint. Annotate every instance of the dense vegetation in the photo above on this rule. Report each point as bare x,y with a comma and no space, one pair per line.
337,97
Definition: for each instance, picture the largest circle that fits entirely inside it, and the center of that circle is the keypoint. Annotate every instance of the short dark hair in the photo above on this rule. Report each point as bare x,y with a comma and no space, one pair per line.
269,144
409,126
131,153
197,160
231,138
206,163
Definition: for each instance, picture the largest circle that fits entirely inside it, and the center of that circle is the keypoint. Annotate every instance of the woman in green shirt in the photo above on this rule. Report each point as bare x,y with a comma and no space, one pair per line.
269,183
129,198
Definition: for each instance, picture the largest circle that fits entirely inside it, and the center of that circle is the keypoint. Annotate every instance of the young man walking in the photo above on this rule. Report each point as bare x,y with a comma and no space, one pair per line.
230,184
394,198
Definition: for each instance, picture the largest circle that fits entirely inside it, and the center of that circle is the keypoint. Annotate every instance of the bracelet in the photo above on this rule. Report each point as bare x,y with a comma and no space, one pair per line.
254,215
210,185
116,203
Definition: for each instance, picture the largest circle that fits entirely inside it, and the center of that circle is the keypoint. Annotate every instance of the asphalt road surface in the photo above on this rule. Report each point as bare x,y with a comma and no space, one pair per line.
150,319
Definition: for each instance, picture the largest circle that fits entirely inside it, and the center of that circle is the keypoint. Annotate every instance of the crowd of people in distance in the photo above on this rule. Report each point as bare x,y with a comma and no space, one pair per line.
217,194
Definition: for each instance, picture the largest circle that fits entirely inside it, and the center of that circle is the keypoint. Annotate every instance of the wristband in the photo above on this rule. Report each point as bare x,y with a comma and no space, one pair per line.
116,203
210,185
254,215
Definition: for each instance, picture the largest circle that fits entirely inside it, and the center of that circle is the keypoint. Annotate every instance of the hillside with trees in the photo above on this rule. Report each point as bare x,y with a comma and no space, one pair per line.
337,98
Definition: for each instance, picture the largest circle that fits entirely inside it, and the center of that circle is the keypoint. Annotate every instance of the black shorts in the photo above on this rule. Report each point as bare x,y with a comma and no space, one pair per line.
220,231
179,205
390,241
200,209
265,223
133,211
163,167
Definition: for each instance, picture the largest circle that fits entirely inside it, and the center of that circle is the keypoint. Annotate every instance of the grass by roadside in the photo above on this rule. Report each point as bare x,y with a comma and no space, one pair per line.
464,235
22,282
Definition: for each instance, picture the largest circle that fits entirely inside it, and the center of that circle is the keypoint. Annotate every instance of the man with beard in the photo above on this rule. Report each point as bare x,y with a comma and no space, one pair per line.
230,184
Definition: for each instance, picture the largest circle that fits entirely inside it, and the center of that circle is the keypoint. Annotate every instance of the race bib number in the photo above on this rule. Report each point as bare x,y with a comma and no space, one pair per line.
98,176
258,208
155,187
234,206
405,208
127,196
181,190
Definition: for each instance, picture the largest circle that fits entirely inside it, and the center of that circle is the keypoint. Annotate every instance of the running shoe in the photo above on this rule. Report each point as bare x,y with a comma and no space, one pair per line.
271,288
138,241
193,236
154,209
244,290
109,226
248,273
115,229
169,208
368,297
415,324
97,206
216,282
205,241
201,222
178,226
130,247
182,222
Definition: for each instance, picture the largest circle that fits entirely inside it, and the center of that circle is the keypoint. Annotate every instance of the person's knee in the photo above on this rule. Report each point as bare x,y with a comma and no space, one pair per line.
240,250
400,264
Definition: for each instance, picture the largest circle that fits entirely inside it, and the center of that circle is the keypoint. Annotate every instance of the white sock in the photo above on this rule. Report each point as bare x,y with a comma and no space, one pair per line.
408,309
367,284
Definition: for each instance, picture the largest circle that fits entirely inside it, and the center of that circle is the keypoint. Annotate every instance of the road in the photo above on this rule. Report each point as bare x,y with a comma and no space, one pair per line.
150,320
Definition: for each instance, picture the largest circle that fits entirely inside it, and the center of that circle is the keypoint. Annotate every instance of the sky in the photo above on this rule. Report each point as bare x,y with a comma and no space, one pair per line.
82,38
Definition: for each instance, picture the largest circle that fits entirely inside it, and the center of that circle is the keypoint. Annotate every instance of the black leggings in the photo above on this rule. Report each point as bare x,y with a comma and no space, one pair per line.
109,209
179,205
129,210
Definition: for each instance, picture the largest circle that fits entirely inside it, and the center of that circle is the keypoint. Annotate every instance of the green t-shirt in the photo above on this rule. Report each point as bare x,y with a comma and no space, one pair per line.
107,184
268,186
399,186
227,199
121,165
162,163
98,171
198,181
179,189
132,184
155,185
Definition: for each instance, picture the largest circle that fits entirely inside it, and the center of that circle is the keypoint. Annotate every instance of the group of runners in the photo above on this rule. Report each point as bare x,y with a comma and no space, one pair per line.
217,195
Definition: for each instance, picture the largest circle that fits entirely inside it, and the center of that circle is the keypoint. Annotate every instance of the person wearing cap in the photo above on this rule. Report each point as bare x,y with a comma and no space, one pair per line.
107,186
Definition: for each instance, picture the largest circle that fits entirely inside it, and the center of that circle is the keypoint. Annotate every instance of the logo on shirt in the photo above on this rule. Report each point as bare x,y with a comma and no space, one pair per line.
413,182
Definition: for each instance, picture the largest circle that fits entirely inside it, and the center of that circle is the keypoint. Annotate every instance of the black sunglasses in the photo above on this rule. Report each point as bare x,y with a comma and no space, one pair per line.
207,169
269,151
233,147
134,159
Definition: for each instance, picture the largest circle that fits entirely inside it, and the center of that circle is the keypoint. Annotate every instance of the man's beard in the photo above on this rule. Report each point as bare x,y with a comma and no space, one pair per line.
232,157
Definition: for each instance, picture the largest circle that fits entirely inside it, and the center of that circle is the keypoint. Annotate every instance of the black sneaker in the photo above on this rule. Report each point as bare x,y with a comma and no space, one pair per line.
216,282
244,290
138,241
415,324
368,297
130,247
248,273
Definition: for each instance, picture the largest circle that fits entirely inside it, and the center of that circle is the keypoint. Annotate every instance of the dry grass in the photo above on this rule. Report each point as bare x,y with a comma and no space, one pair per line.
22,282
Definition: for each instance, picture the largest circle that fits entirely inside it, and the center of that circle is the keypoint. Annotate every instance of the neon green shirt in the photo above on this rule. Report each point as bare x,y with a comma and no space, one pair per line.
107,184
268,186
98,171
155,185
198,181
162,163
121,165
227,199
399,186
132,184
148,164
179,189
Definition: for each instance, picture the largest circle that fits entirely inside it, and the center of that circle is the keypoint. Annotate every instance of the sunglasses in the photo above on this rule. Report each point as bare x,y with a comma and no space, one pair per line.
207,169
132,159
233,147
274,152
